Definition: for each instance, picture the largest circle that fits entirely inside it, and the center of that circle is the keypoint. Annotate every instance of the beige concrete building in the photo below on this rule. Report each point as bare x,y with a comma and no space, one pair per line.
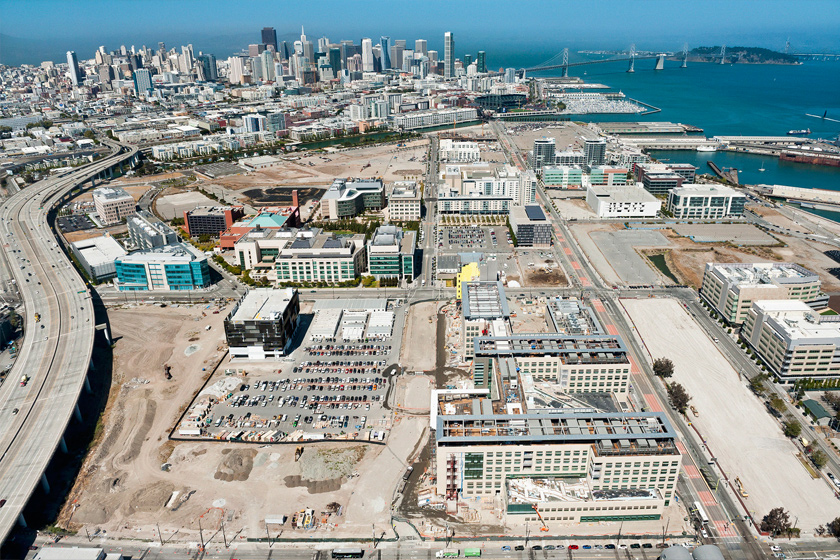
113,204
574,467
793,340
485,312
404,202
731,288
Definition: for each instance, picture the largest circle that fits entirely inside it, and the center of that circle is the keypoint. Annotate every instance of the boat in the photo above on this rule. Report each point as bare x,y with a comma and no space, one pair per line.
762,167
706,149
804,132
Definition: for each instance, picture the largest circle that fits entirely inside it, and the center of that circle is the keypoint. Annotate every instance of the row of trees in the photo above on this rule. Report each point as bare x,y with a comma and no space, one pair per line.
777,523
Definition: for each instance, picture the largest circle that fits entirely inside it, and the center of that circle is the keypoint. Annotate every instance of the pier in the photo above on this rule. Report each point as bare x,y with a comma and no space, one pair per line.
728,173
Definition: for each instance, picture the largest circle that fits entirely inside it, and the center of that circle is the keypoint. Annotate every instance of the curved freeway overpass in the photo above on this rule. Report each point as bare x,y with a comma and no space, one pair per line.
56,350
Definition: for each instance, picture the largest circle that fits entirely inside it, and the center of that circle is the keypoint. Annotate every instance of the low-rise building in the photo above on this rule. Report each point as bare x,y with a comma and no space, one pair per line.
172,267
793,340
530,225
458,151
147,232
731,288
404,202
262,324
391,253
608,176
113,204
622,202
259,163
98,256
270,217
303,256
418,119
562,176
658,179
705,202
568,316
211,220
345,199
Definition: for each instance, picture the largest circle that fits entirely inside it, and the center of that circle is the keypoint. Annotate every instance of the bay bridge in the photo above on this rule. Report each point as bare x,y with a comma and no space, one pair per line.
560,61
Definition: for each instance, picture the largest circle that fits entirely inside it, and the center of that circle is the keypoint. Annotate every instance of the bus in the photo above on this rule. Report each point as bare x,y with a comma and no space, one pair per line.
701,513
468,552
347,553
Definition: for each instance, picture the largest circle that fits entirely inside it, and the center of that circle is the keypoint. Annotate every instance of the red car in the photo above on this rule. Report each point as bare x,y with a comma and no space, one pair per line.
2,503
573,547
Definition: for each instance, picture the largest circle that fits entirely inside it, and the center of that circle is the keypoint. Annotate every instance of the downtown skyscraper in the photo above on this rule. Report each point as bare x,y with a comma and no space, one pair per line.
448,55
385,43
73,64
269,37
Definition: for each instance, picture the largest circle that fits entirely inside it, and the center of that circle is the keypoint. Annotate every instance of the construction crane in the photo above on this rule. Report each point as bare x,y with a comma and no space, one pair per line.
539,515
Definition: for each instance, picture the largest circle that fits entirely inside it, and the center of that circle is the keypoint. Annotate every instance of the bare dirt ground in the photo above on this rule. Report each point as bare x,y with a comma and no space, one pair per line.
74,236
123,490
418,349
136,191
388,161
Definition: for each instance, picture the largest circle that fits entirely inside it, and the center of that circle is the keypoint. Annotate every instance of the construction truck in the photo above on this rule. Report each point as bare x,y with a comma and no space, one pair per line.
539,515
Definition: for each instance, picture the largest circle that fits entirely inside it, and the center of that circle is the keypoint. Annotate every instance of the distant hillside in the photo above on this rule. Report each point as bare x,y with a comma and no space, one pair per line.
747,55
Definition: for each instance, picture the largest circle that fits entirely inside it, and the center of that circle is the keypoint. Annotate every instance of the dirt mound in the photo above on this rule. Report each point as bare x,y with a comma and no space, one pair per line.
149,499
327,464
314,486
236,465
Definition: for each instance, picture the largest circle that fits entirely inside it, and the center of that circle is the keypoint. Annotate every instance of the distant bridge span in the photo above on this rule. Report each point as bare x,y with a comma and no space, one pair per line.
570,64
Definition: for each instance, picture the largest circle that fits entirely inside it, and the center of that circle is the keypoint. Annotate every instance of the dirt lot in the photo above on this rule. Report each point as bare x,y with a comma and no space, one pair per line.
567,135
545,272
318,170
74,236
757,447
135,191
122,488
418,350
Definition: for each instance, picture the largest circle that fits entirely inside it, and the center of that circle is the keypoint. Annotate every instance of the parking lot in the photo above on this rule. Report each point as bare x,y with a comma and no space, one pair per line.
74,222
473,238
335,385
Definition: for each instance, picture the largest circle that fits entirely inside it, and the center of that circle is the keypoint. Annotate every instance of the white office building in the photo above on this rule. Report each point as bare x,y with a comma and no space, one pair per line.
458,151
622,202
705,202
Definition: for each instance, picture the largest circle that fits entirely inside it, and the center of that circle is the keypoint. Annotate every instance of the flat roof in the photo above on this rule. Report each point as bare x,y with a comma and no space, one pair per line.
111,193
799,322
705,190
484,300
623,194
370,304
641,431
534,212
262,304
176,252
100,250
210,210
762,273
571,348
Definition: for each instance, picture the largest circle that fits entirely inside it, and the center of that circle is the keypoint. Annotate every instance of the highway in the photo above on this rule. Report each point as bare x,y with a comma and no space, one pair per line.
56,350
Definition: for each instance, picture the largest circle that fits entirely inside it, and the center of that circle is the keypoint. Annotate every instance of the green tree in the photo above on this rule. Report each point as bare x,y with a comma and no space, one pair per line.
792,429
834,527
776,522
757,382
663,367
679,396
204,238
777,403
819,458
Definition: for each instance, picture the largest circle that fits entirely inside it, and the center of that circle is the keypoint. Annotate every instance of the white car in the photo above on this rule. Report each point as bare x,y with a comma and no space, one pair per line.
776,548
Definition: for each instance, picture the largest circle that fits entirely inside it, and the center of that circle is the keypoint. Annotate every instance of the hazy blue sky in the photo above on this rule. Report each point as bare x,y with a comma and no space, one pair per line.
35,30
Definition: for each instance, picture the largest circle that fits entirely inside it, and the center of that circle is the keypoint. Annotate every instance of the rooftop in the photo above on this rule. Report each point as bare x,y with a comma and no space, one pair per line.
623,194
570,348
749,274
210,210
484,300
798,321
570,317
174,253
111,193
342,189
262,304
692,189
100,250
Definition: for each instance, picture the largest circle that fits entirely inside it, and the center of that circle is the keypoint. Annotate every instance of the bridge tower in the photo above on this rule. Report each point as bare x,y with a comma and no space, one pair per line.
660,62
566,63
632,59
685,56
787,46
723,54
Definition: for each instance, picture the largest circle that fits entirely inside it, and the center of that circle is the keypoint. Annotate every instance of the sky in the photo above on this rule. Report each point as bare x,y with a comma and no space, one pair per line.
36,30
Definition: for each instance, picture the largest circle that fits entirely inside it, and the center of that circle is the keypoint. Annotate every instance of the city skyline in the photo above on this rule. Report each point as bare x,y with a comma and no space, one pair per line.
652,25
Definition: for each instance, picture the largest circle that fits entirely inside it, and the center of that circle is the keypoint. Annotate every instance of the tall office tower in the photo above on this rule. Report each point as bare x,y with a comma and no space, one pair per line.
285,50
162,50
269,37
267,60
407,59
73,64
595,152
367,55
256,69
481,62
323,44
433,59
510,75
397,54
334,56
208,63
255,49
377,58
467,60
400,43
420,47
189,57
354,63
385,45
309,51
448,55
424,67
123,50
298,48
142,82
543,154
348,49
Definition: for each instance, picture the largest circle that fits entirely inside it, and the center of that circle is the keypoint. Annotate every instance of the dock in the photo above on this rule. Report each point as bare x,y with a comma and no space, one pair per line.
728,173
